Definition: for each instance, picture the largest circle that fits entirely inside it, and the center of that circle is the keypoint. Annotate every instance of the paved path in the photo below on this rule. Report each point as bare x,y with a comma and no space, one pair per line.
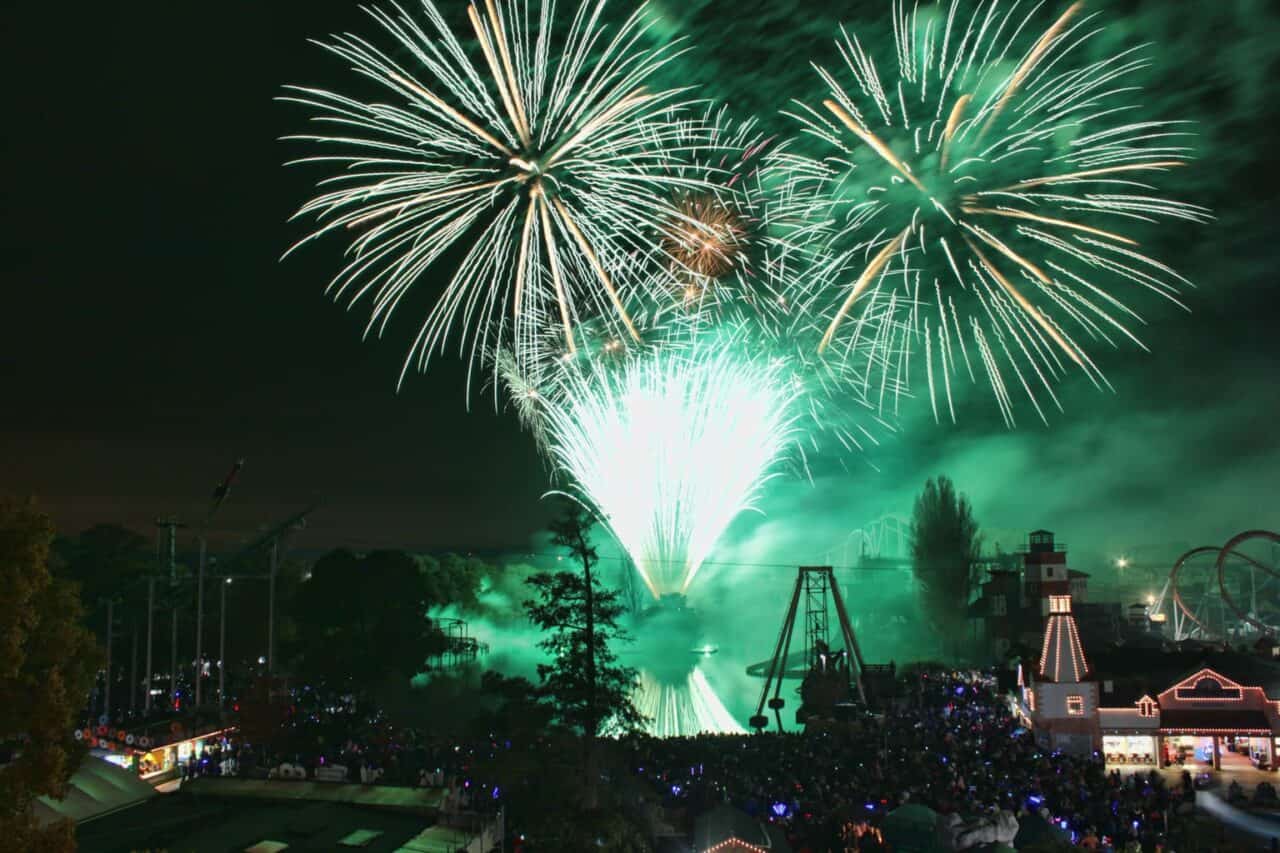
1261,828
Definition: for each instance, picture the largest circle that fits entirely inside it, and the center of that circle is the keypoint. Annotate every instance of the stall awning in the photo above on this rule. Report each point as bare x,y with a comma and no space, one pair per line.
97,787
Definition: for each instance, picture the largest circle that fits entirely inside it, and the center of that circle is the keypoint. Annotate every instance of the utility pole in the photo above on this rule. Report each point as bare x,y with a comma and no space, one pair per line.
173,657
151,610
133,669
171,526
271,608
106,693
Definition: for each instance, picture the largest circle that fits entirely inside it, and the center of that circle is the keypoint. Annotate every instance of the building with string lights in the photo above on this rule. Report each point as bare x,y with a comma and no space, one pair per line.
1142,704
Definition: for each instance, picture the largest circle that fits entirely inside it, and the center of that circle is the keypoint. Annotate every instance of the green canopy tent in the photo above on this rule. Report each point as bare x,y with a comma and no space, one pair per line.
912,828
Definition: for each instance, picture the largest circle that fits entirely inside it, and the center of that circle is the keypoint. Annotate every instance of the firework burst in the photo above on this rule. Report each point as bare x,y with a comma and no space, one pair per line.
709,237
717,244
666,444
533,151
980,193
731,264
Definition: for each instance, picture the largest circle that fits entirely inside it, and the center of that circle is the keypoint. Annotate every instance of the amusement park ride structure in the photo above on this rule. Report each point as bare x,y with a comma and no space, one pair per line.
458,649
1191,614
886,537
829,675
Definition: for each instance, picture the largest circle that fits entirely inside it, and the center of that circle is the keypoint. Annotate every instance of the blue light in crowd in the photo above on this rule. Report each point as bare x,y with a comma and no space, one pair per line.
1035,800
779,809
871,807
675,790
960,691
496,792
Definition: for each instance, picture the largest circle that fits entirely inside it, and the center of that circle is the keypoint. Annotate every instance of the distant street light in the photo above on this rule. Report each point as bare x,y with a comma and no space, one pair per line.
1122,562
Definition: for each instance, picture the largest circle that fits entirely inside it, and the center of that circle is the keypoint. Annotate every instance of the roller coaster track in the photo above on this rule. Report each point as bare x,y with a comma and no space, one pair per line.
1224,552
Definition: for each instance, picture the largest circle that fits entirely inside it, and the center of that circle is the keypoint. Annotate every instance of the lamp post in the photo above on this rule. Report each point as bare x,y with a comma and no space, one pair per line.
220,493
222,643
200,620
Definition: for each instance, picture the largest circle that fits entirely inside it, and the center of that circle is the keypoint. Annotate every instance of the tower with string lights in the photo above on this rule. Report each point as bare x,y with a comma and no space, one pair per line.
1059,694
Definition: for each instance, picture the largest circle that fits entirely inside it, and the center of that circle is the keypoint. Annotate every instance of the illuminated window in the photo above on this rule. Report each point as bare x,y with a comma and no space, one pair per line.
1075,706
1059,604
1146,707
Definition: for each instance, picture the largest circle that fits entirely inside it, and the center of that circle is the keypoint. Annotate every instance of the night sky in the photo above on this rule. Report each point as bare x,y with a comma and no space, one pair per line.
151,335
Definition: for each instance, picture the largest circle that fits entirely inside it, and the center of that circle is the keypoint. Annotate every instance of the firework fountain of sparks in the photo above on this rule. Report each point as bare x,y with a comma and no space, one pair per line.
667,444
980,193
545,164
689,706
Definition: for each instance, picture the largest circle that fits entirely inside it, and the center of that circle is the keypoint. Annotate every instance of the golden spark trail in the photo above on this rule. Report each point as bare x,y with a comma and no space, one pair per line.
1023,303
876,145
877,263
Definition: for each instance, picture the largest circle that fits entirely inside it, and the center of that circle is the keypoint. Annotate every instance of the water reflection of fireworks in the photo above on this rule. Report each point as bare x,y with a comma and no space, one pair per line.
682,706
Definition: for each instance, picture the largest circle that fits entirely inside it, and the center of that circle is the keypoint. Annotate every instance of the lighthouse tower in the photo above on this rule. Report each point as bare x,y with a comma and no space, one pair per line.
1062,700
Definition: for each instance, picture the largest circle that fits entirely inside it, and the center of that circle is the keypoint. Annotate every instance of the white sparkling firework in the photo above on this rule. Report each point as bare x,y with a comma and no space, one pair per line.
978,193
530,153
668,444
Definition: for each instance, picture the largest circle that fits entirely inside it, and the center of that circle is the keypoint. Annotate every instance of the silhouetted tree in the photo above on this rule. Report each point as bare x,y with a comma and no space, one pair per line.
107,561
588,687
944,545
47,663
362,620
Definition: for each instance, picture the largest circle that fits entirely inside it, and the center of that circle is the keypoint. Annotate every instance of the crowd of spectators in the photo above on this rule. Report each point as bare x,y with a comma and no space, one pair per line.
337,741
951,743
